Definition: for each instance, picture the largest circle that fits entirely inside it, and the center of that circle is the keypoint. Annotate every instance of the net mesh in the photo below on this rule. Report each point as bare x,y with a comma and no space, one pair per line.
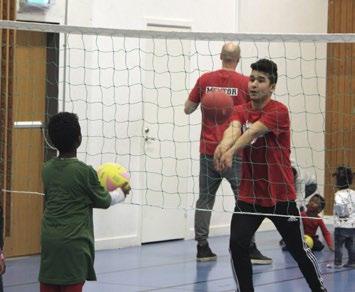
129,89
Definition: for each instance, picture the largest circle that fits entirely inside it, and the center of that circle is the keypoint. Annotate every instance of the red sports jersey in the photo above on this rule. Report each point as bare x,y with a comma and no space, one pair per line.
310,226
232,83
266,170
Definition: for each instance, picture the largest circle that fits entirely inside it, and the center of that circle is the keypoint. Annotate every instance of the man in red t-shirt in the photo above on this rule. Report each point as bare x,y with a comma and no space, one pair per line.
261,129
236,85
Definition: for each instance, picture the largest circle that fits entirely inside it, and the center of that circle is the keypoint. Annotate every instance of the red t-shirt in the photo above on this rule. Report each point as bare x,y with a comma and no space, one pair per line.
267,177
311,225
234,84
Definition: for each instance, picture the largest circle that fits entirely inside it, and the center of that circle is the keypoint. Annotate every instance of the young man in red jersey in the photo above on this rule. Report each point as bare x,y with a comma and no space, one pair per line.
235,85
261,129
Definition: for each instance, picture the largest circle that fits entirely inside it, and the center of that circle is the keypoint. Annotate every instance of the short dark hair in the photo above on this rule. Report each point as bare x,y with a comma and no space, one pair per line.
321,200
64,131
268,67
343,176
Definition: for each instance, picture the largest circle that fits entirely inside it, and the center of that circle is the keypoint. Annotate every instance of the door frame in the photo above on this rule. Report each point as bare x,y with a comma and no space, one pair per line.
51,107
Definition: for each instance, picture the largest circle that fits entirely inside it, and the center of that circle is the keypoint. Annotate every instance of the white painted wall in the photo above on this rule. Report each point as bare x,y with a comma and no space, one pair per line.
113,111
283,16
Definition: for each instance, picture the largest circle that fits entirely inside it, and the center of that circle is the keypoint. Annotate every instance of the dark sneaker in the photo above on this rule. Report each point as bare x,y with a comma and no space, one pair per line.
205,254
349,265
257,258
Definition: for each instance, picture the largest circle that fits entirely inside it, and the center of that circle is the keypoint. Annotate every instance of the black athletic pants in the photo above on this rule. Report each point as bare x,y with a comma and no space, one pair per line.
243,227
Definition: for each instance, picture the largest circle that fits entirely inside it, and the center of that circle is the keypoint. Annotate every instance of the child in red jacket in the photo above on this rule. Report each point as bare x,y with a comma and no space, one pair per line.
311,221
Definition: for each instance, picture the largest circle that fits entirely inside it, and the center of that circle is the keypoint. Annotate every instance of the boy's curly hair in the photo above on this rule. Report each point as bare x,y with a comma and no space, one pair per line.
64,131
343,176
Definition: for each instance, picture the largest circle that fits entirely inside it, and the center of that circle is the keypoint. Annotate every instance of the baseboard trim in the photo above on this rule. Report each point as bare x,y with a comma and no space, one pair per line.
117,242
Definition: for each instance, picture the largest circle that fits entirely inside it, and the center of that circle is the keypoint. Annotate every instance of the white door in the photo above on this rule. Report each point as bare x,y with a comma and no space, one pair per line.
166,160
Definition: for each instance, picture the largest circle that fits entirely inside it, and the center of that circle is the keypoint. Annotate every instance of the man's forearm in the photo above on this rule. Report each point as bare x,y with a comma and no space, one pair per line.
256,130
231,134
243,141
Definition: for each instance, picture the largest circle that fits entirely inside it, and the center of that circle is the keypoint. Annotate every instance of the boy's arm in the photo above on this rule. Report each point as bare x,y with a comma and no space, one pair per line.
326,234
98,196
102,199
119,195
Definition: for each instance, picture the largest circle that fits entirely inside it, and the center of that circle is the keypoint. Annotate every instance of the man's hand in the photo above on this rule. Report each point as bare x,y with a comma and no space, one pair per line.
226,160
221,157
220,150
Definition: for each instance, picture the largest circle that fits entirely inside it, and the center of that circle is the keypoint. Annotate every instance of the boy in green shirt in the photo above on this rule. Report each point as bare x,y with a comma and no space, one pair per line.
72,190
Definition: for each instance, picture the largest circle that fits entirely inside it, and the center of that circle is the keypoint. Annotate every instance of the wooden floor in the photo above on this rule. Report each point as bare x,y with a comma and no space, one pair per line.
171,266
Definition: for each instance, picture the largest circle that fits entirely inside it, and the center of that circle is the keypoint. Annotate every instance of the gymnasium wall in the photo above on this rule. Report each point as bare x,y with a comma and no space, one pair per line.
273,16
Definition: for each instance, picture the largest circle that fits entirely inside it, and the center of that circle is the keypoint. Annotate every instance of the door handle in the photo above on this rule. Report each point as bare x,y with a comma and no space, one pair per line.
28,124
146,137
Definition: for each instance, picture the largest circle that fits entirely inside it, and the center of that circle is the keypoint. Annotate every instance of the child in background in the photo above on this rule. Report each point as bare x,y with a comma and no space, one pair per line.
344,217
311,221
305,185
72,190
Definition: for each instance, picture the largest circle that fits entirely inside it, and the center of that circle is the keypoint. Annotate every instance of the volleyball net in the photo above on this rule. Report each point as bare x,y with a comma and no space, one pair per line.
128,88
